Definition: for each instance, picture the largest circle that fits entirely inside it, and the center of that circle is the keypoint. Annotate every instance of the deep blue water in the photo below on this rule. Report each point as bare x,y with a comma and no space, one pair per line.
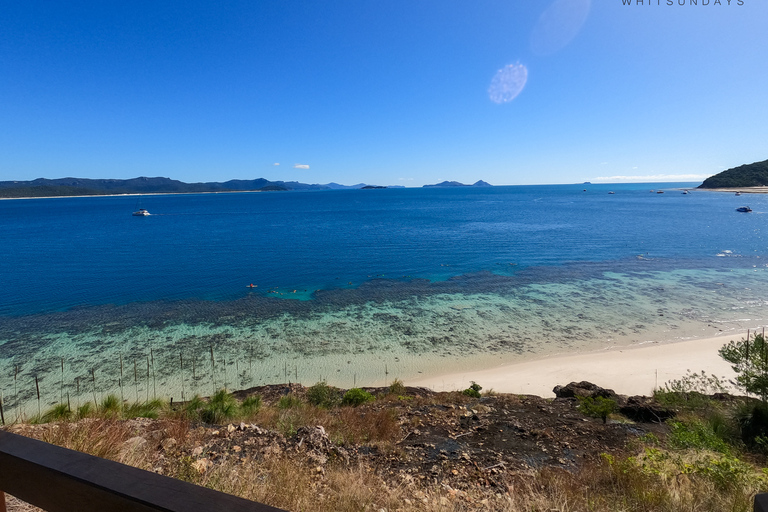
388,283
62,253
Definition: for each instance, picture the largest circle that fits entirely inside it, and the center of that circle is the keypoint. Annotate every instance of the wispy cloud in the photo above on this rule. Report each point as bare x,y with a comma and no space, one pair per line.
653,178
301,166
405,179
276,163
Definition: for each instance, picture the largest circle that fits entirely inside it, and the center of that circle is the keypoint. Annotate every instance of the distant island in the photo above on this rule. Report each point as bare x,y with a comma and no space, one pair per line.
43,187
448,184
743,176
61,187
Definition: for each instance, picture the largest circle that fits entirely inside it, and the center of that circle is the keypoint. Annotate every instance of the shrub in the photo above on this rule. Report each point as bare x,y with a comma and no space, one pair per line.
57,412
749,359
691,391
696,434
289,401
111,406
222,406
323,395
356,396
251,405
84,410
149,409
473,390
597,407
753,423
397,388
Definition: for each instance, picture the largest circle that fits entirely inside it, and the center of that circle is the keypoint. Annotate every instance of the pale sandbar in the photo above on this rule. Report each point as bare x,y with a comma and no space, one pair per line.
634,370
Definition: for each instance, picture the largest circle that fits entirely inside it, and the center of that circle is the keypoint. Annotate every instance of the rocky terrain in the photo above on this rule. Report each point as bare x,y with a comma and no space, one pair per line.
468,447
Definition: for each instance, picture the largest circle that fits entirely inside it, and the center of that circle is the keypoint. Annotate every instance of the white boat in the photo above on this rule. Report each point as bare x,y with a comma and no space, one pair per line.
140,213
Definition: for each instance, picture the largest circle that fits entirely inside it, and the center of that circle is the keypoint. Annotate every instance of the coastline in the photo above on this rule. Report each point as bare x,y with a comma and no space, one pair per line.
629,370
745,190
134,194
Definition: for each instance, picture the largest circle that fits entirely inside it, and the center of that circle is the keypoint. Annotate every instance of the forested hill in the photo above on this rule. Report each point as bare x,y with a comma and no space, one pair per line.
43,187
749,175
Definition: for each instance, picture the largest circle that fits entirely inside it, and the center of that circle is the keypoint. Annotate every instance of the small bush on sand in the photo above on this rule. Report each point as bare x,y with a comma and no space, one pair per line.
473,390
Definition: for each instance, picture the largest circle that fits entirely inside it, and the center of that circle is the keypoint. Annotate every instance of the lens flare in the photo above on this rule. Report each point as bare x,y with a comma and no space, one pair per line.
508,83
558,25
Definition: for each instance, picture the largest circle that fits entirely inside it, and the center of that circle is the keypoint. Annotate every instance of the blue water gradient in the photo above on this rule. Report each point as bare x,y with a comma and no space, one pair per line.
71,252
359,286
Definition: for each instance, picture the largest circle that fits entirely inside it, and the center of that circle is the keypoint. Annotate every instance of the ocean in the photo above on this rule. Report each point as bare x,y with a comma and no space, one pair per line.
358,287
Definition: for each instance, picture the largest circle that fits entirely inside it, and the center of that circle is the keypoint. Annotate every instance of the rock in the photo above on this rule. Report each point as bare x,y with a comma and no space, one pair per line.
583,389
168,443
645,410
201,465
198,450
231,428
131,446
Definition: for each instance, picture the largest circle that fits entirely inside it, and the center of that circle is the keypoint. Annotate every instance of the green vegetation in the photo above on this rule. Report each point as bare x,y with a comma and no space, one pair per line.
473,390
597,407
749,359
397,388
356,397
323,395
690,392
749,175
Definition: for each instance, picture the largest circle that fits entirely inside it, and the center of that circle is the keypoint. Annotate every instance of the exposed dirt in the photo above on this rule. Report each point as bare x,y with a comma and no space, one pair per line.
444,439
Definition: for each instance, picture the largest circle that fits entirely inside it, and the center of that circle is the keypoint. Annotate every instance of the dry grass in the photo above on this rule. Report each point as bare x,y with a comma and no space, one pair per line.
651,480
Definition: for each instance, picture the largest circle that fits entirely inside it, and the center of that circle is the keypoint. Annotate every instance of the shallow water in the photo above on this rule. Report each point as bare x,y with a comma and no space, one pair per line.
389,284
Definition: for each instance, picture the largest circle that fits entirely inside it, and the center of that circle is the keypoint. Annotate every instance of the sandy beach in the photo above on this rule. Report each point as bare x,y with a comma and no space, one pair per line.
635,370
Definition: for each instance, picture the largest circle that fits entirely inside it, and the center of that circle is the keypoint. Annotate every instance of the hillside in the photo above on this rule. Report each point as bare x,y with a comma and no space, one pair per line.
43,187
411,449
748,175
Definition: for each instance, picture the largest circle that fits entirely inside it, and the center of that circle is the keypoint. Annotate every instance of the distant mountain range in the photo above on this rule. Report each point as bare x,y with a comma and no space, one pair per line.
447,184
748,175
43,187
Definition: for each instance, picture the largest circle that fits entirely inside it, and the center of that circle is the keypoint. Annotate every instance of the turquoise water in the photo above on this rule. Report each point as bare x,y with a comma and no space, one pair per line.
358,287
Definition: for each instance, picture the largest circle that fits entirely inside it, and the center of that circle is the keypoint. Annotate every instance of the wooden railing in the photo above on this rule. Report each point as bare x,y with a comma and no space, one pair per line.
761,503
60,480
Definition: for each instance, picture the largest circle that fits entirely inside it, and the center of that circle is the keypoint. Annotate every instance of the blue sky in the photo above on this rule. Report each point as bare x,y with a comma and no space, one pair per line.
390,92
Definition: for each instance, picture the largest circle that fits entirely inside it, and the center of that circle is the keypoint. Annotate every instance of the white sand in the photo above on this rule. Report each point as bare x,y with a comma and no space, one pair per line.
629,371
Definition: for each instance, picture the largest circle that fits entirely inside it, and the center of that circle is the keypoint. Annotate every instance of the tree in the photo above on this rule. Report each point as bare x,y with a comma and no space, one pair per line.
597,407
749,359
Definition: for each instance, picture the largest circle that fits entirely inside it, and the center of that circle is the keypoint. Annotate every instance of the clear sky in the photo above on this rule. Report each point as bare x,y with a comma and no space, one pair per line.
392,92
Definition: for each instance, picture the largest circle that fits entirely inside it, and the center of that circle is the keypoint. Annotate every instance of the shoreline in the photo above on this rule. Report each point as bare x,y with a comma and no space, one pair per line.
745,190
628,370
134,194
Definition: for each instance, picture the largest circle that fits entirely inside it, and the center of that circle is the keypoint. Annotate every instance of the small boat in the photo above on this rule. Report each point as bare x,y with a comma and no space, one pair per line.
659,191
744,209
738,193
611,192
685,192
140,213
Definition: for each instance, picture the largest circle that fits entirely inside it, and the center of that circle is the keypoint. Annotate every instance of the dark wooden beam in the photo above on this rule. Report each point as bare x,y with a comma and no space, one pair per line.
62,480
761,503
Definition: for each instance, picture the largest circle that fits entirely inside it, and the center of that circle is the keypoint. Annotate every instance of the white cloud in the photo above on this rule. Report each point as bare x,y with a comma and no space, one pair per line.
301,166
405,179
653,178
276,163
